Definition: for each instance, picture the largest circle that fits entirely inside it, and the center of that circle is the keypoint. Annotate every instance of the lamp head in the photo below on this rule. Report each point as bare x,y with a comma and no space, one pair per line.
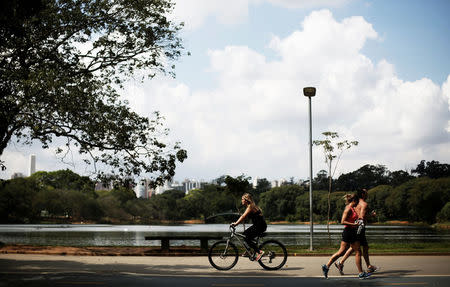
309,92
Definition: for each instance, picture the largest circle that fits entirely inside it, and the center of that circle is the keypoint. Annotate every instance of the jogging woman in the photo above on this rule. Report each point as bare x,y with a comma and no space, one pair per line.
349,236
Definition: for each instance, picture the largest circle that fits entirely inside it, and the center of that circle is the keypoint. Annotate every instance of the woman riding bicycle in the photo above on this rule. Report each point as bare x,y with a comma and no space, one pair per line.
259,224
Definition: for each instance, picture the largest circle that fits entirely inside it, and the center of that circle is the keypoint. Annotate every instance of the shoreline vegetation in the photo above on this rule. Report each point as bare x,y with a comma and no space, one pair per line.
64,197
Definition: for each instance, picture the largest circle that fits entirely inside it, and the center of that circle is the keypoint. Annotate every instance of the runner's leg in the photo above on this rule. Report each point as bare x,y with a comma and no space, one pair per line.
339,253
356,246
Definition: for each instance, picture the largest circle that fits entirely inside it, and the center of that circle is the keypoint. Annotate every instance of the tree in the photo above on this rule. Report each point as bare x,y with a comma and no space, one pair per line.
123,194
321,181
61,65
279,203
399,177
64,179
432,169
51,201
367,176
167,204
262,185
444,214
332,150
377,198
16,200
236,187
427,197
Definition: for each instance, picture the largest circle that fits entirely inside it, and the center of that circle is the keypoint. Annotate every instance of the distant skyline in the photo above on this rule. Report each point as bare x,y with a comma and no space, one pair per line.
381,69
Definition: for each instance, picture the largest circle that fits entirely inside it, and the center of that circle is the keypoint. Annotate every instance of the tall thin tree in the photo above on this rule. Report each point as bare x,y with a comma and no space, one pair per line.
332,150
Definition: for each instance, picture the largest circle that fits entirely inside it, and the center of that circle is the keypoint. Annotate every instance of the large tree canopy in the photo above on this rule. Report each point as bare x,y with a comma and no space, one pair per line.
61,65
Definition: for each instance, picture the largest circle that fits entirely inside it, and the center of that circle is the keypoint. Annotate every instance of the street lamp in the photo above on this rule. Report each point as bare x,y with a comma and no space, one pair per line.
310,92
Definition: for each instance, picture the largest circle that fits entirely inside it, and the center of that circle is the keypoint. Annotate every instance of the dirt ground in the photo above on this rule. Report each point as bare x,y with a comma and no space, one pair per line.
98,250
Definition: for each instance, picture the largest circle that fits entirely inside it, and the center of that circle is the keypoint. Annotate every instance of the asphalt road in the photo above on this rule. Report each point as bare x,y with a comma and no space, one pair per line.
49,270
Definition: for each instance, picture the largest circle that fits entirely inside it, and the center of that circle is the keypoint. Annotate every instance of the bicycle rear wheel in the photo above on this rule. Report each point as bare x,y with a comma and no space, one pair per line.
275,255
223,255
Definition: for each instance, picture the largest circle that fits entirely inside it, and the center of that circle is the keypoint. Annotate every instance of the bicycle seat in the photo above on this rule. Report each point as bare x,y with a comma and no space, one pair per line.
262,234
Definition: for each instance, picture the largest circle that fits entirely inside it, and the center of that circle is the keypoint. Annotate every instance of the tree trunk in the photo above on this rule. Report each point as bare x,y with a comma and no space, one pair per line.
329,204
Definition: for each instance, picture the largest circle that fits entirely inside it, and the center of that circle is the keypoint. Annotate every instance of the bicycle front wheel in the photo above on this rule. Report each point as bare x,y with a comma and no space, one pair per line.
275,255
223,255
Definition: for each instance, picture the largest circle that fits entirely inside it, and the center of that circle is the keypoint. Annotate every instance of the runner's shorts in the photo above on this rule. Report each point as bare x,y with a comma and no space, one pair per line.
362,238
349,235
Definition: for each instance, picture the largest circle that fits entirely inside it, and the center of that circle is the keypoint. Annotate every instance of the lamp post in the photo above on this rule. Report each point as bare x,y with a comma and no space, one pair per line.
310,92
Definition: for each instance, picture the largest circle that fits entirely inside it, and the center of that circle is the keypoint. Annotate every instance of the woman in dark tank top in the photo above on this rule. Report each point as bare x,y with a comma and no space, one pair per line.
259,224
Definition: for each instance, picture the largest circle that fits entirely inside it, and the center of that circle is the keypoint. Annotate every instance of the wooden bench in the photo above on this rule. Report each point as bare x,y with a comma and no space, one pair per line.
165,240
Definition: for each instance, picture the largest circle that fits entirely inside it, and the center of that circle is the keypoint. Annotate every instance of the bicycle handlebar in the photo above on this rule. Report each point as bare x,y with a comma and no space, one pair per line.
232,229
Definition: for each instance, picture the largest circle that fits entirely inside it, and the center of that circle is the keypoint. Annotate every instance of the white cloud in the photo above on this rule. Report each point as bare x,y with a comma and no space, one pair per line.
446,91
255,121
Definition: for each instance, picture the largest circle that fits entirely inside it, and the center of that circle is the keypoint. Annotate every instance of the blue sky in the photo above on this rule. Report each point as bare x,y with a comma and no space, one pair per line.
381,69
414,35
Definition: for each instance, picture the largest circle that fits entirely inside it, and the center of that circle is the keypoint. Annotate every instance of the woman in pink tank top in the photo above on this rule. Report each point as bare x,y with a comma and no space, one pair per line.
349,236
352,216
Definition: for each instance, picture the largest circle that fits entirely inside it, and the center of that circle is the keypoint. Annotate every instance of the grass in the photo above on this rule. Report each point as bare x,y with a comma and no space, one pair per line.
380,248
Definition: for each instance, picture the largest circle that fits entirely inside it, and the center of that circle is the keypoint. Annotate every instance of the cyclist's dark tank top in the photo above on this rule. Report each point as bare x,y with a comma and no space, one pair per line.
257,218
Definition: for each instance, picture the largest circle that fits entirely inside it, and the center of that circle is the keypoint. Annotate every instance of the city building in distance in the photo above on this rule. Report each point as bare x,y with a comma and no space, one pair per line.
32,165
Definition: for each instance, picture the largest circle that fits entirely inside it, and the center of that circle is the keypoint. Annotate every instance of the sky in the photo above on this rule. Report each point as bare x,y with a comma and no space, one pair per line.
381,70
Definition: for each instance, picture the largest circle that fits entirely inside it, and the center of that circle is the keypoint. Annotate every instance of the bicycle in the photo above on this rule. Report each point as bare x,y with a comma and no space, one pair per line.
223,254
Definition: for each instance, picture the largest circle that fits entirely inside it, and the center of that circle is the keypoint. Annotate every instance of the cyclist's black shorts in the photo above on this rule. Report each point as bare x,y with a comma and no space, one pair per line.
255,231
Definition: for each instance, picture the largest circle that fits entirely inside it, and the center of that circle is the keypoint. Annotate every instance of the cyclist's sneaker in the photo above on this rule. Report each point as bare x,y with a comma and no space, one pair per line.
340,267
372,269
325,270
363,275
260,254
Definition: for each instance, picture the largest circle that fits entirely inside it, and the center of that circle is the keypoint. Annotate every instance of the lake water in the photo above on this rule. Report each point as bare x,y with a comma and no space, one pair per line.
133,235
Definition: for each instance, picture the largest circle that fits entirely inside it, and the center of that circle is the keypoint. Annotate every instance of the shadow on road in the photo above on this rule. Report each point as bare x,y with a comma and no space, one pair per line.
177,269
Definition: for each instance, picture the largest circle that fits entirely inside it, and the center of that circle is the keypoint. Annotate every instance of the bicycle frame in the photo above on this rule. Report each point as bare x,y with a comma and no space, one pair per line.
221,252
240,237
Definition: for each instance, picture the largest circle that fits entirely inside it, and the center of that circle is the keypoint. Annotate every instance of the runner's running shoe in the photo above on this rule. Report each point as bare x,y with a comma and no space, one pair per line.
325,270
372,269
363,275
340,267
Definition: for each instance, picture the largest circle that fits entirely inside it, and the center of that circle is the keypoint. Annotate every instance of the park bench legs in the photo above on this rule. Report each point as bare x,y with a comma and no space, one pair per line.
165,244
204,245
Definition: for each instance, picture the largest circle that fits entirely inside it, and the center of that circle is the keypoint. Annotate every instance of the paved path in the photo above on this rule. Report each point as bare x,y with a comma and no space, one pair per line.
398,266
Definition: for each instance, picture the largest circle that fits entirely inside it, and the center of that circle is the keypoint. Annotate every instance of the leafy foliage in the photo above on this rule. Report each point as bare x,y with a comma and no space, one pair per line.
41,198
370,176
61,63
236,187
444,214
16,200
432,169
279,202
